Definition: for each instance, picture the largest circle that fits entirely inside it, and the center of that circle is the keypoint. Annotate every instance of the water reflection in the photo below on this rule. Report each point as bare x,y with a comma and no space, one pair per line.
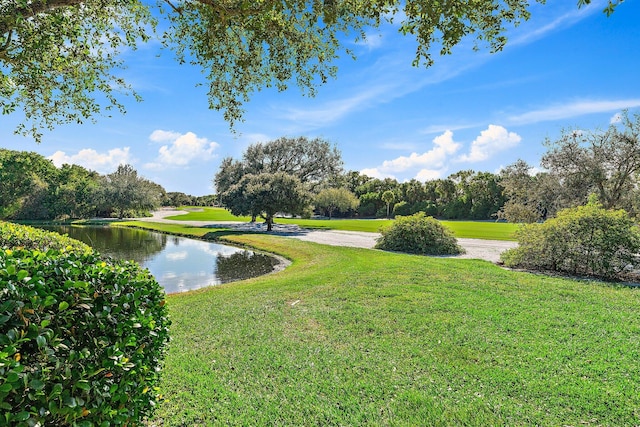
179,264
243,265
117,242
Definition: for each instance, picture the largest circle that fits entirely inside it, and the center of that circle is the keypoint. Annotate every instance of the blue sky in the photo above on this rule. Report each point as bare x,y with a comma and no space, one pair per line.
566,68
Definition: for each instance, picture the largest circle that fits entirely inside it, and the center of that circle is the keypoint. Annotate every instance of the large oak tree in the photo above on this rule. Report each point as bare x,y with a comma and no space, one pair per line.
59,59
276,176
312,161
266,194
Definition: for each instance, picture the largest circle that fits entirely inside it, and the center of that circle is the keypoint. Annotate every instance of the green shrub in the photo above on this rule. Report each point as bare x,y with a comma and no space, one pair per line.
418,234
587,240
402,208
81,338
22,236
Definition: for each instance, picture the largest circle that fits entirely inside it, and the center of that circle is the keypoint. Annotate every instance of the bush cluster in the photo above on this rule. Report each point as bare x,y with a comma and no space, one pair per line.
418,234
587,240
22,236
81,338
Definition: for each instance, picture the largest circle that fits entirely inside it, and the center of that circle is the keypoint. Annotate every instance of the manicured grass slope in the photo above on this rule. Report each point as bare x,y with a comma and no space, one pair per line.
209,214
469,229
350,337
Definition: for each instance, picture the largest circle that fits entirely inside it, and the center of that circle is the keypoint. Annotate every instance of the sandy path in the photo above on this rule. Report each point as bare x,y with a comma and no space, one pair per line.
488,250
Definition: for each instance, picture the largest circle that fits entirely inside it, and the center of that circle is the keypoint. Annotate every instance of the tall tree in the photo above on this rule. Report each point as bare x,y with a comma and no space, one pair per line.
388,197
312,161
59,58
177,198
75,194
530,197
266,194
124,190
370,195
606,163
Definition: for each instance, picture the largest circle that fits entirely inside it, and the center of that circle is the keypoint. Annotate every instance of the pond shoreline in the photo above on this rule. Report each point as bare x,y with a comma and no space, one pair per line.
283,262
488,250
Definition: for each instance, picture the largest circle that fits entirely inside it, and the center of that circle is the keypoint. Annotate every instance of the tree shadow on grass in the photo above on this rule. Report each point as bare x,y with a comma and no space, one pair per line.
219,234
261,228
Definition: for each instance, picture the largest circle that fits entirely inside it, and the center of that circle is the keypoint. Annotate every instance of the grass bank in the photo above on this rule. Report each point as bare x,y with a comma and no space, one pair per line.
351,336
469,229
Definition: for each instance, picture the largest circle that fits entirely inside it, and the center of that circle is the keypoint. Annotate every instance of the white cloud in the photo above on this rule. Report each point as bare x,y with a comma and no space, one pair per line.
444,147
376,173
433,159
91,159
491,140
163,135
575,109
428,175
181,149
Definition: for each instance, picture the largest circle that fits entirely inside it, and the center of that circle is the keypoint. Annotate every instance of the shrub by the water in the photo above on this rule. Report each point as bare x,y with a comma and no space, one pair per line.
587,240
418,234
22,236
81,339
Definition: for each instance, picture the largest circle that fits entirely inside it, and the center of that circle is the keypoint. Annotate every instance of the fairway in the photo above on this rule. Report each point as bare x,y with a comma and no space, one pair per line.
351,337
468,229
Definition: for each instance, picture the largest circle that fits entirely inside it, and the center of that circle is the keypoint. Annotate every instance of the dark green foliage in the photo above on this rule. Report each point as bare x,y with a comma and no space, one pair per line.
463,195
59,60
418,234
125,192
34,189
587,240
401,208
81,338
24,184
276,176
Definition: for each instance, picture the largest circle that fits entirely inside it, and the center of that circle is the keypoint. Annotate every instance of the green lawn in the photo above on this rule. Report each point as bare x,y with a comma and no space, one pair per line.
352,336
469,229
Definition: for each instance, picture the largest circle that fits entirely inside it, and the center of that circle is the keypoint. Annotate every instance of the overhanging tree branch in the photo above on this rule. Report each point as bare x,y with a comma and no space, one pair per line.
241,45
8,22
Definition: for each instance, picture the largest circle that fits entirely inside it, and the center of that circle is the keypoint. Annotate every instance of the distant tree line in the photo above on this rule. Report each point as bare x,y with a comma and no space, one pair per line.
302,176
578,165
33,188
464,195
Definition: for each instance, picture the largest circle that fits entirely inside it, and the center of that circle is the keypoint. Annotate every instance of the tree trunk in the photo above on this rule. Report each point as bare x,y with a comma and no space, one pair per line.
269,222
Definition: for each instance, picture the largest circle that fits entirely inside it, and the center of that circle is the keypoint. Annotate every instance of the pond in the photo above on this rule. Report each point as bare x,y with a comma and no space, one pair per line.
178,263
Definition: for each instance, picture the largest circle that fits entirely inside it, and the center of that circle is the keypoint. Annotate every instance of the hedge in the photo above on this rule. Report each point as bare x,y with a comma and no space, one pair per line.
82,338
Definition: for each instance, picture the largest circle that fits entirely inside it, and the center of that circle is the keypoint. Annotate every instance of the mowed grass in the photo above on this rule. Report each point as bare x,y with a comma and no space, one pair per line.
359,337
468,229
